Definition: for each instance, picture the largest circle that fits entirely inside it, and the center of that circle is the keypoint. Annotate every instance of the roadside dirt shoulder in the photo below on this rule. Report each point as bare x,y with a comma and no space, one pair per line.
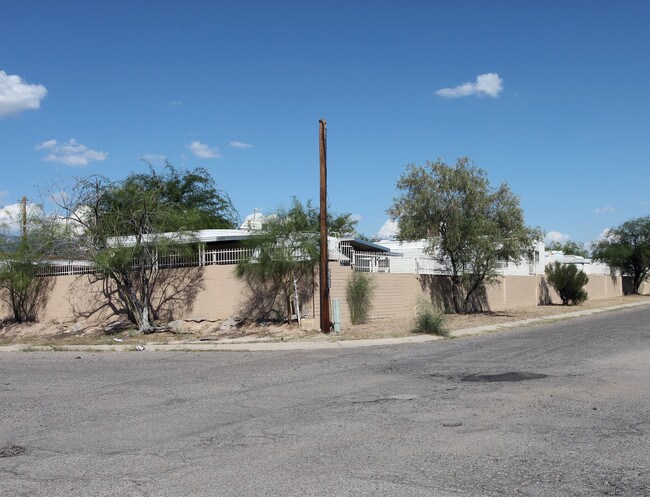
230,331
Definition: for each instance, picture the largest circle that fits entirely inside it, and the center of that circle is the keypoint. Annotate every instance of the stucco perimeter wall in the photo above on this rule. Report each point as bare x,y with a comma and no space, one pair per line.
397,295
79,297
644,289
214,293
221,296
187,293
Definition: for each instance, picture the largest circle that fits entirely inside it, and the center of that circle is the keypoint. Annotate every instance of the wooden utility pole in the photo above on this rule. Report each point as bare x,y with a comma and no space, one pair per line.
23,219
324,272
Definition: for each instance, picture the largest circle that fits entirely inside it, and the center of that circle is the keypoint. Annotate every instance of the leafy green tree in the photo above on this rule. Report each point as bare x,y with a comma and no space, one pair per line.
21,259
627,249
568,282
188,200
468,224
286,253
569,248
19,283
127,226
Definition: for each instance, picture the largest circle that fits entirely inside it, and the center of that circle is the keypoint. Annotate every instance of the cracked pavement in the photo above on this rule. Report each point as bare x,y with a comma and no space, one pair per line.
557,409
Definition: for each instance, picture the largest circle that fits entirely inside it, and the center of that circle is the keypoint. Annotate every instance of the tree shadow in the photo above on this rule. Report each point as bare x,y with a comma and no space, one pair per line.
627,283
175,292
265,301
94,296
544,293
440,290
35,299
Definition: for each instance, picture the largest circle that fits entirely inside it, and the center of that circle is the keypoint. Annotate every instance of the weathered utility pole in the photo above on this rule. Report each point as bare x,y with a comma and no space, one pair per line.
23,220
324,272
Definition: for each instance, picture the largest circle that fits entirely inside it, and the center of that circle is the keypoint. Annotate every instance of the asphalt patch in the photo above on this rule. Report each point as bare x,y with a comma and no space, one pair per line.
11,450
502,377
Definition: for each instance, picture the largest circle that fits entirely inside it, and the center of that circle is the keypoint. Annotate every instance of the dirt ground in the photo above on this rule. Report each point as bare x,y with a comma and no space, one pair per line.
87,332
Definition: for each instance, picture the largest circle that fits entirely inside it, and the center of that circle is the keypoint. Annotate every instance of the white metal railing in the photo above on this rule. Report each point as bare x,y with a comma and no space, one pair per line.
429,265
198,259
370,262
226,256
68,268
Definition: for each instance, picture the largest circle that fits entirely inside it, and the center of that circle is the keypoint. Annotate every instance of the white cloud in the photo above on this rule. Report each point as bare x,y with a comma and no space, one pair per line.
10,217
602,210
46,145
203,151
155,159
356,217
17,96
240,145
388,230
604,235
556,236
489,84
71,153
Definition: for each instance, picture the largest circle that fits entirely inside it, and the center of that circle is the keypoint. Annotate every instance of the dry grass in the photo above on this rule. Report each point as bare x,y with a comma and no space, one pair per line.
57,334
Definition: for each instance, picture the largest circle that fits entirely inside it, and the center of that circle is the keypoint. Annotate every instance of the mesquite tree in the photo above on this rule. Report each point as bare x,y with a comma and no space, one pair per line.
468,224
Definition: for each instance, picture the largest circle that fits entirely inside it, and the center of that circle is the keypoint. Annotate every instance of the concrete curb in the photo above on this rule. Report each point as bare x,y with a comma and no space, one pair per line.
340,344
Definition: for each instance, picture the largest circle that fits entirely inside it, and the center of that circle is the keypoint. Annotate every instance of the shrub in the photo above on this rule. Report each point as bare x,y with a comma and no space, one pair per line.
359,293
568,282
429,321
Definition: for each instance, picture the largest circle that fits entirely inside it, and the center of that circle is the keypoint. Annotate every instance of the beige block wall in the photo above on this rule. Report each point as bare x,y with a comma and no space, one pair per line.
205,293
221,296
599,287
214,293
80,297
396,295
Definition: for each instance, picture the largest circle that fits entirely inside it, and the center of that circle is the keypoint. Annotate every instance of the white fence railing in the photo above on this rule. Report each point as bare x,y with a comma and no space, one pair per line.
429,265
370,262
198,259
66,268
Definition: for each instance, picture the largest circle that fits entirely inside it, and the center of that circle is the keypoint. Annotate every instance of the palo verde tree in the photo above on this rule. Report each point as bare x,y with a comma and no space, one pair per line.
468,224
285,253
627,249
127,226
22,257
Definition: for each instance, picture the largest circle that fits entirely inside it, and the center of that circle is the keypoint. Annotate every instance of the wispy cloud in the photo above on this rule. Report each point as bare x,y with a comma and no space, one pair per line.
17,96
175,103
356,217
489,84
155,159
241,145
388,230
203,151
602,210
71,153
605,234
556,236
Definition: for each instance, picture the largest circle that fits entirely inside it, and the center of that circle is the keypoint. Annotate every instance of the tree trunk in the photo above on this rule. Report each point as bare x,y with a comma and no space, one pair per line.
457,300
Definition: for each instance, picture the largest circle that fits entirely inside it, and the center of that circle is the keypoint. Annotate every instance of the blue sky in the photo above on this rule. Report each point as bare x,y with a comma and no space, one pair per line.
552,97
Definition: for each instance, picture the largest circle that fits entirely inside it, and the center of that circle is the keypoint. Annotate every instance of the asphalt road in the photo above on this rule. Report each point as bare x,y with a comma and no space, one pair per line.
554,410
